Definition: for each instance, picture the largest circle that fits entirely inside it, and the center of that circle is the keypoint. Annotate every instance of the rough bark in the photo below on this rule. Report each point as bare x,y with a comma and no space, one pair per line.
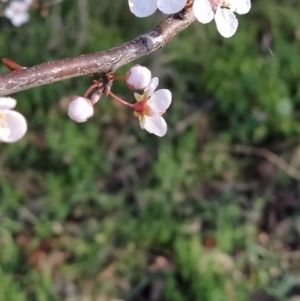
99,62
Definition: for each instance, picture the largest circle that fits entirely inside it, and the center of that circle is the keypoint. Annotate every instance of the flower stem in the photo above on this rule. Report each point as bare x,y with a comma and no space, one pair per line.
118,77
120,100
88,91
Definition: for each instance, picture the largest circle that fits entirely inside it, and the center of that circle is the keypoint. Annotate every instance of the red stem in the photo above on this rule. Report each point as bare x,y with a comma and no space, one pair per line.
118,77
120,100
88,91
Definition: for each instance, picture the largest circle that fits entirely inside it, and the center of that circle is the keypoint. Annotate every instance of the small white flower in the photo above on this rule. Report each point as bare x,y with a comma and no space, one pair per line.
17,12
80,109
28,2
138,77
13,125
222,12
145,8
150,106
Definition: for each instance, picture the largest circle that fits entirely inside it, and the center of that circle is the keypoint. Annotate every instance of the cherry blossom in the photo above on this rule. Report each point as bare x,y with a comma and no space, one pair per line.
146,8
80,109
150,106
28,2
13,125
222,12
138,77
17,12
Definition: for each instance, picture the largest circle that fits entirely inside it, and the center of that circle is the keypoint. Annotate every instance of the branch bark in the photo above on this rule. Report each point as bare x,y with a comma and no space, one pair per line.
99,62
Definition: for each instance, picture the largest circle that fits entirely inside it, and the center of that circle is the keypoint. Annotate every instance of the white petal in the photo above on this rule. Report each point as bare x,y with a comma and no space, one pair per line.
17,125
171,6
142,8
138,77
4,133
28,2
226,21
80,110
17,13
203,11
160,100
7,103
152,85
240,6
20,19
155,124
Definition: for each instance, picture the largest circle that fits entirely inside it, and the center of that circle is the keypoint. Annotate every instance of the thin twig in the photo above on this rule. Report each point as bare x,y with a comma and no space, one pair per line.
276,160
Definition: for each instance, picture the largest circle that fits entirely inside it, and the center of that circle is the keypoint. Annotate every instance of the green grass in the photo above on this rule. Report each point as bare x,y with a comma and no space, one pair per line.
106,211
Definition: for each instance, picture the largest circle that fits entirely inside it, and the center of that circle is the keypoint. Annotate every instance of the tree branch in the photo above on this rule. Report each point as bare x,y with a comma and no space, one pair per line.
99,62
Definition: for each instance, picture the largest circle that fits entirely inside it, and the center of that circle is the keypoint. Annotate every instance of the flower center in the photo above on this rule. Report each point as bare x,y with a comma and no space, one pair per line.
216,3
140,107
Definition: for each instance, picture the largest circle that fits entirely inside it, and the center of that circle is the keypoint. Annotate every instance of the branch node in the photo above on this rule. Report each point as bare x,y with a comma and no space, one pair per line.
11,65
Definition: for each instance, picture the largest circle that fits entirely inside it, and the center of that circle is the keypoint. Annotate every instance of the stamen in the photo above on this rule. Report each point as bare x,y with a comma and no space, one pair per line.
216,3
3,125
2,116
225,4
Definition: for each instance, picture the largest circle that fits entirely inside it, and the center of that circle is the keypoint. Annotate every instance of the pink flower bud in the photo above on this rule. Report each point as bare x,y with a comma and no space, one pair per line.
80,109
138,77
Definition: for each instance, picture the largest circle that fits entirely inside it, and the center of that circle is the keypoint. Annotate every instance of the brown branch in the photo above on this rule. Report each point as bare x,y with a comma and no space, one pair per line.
99,62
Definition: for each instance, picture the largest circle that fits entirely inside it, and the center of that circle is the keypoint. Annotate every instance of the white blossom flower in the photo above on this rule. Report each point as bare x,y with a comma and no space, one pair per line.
80,109
222,12
138,77
145,8
150,106
17,12
13,125
28,2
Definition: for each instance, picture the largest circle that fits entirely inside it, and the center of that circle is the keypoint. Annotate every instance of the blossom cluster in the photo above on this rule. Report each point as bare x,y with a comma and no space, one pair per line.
17,12
205,11
151,104
148,107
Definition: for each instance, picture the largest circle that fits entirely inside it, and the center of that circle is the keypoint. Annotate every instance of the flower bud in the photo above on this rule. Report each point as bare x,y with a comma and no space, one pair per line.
80,109
138,77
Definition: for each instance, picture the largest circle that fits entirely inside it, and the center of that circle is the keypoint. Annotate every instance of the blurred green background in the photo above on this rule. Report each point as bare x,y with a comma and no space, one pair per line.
105,211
